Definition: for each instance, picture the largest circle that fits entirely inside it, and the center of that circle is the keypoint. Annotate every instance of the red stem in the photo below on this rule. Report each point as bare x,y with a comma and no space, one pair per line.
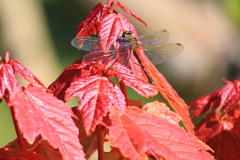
124,90
100,141
112,6
19,135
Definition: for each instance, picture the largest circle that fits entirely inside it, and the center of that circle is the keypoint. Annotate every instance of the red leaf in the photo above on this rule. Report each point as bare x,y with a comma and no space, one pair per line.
96,95
90,25
72,72
12,155
25,73
102,15
166,90
222,136
139,134
41,113
111,27
129,11
124,74
8,70
161,110
8,80
216,99
231,104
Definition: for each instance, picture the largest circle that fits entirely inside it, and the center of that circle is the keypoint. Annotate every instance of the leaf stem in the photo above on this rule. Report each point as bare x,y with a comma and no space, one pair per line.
124,90
100,141
19,135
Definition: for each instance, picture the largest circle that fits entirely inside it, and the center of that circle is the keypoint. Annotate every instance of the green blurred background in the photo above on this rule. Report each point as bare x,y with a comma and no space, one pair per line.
38,33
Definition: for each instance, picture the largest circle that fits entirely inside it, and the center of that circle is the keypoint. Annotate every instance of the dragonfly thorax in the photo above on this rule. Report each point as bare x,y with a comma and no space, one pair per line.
129,35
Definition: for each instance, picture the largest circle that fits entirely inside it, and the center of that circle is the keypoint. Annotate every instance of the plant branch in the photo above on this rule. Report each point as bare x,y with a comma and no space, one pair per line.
124,90
100,141
19,135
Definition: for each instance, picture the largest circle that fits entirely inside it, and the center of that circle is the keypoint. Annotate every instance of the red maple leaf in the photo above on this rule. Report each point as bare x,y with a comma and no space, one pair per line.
97,18
139,134
25,73
96,95
88,83
111,27
90,25
72,72
215,100
8,80
222,135
161,110
39,113
220,128
8,71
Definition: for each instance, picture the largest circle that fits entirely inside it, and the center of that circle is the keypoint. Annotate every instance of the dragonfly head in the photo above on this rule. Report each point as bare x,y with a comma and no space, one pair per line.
127,34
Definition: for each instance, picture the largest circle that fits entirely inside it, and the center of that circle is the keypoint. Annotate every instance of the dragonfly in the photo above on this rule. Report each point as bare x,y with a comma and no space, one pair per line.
153,44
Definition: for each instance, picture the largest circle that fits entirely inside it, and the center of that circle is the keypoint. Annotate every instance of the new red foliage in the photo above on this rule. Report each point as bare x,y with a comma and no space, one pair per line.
152,136
40,113
8,71
220,129
95,96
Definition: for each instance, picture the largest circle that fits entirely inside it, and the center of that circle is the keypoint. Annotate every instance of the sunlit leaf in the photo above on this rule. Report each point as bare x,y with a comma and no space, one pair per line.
8,80
112,26
96,95
161,110
40,113
139,134
215,100
25,73
90,25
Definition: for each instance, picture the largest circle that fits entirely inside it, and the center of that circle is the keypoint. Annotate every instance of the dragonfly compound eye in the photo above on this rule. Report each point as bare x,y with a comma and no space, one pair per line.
127,33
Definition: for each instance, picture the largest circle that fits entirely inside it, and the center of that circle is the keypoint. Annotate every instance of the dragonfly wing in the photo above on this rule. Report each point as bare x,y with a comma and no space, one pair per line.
159,54
155,39
85,43
98,56
88,43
